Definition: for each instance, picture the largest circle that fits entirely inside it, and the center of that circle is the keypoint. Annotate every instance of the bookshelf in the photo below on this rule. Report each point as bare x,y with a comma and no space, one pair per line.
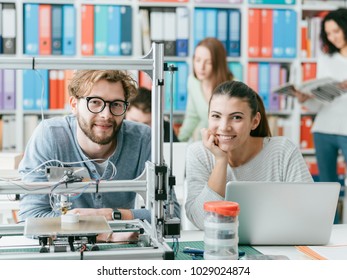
289,117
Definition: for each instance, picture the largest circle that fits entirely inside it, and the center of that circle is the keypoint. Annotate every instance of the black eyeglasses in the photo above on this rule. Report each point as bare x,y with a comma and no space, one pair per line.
96,105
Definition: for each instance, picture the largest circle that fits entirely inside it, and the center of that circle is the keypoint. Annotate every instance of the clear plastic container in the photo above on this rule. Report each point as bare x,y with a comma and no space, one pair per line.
221,230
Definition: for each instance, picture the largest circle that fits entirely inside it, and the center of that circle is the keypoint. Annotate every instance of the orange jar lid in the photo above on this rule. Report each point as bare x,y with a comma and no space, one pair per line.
222,207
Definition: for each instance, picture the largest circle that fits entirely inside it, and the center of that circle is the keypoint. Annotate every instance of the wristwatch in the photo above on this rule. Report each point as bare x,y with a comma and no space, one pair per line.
116,214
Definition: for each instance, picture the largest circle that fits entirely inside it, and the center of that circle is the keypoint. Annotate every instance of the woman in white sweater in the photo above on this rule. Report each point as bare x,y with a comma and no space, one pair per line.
237,146
330,128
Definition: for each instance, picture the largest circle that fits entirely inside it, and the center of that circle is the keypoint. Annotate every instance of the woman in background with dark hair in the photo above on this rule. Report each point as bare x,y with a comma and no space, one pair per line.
237,146
210,69
330,128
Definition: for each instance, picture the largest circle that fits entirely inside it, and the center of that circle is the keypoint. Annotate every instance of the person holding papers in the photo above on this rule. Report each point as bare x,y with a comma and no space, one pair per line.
237,146
330,128
209,69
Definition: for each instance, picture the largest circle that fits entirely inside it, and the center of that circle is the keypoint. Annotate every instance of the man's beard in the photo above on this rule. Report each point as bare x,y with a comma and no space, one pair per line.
88,131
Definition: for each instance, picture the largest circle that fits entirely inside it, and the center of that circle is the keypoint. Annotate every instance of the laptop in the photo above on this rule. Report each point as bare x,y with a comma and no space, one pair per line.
280,213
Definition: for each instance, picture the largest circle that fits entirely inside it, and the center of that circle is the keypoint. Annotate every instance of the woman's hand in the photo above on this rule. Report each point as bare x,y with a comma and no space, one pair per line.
210,141
302,97
217,179
343,85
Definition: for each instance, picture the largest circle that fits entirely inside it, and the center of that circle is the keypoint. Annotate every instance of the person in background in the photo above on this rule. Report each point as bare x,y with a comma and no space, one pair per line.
237,146
96,137
330,128
140,110
209,69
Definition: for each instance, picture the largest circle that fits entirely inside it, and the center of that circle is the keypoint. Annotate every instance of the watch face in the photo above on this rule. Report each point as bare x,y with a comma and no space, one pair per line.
117,215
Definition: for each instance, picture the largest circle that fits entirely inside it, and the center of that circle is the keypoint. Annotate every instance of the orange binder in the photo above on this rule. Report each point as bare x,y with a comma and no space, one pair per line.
61,88
254,32
145,80
253,74
45,29
309,71
53,89
341,168
306,137
67,79
305,51
266,37
87,30
312,167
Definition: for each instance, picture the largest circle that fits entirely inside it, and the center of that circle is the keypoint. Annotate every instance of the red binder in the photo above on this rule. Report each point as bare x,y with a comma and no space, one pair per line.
53,90
306,137
145,80
45,29
253,76
61,89
266,37
254,32
87,30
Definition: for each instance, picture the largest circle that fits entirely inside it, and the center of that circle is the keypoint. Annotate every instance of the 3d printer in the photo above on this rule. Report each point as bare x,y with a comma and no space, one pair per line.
77,240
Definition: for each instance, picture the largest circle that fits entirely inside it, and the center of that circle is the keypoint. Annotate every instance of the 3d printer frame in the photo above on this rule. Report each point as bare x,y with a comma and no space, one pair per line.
153,182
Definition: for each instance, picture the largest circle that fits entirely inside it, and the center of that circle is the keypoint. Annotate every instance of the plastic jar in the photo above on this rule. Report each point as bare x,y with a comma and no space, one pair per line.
221,230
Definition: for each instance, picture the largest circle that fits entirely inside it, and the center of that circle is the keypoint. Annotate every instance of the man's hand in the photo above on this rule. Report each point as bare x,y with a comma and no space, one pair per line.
106,212
92,212
118,237
123,237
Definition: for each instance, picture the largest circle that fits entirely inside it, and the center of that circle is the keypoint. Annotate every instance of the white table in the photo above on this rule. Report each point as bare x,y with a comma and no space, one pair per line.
338,236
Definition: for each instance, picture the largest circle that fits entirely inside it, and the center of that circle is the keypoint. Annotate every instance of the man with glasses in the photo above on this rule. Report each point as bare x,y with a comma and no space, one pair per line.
94,136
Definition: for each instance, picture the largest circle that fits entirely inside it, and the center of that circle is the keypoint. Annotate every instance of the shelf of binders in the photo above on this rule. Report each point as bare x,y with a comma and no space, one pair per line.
97,26
259,58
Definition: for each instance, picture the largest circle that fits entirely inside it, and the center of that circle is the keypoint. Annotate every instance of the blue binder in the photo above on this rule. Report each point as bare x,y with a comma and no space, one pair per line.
210,22
42,85
29,89
100,30
126,47
199,25
222,27
234,49
31,29
57,29
290,32
264,83
236,69
69,30
181,98
114,30
278,35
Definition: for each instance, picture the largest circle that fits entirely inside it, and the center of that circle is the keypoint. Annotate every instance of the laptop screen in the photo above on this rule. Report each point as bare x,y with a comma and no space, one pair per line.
280,213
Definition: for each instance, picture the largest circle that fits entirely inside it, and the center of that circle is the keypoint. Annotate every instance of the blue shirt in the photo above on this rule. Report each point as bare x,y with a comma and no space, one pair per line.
55,139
